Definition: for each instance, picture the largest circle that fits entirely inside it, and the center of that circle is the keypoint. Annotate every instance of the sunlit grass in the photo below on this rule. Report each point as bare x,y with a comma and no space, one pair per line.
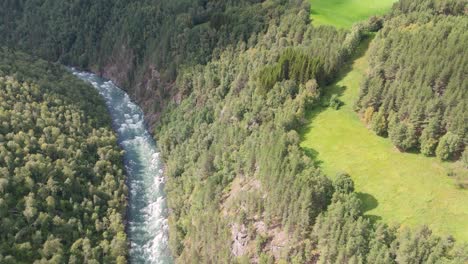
404,188
344,13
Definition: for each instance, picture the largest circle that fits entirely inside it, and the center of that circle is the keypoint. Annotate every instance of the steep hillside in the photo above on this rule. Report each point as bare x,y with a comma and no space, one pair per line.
62,190
233,193
232,146
227,84
395,187
192,133
140,44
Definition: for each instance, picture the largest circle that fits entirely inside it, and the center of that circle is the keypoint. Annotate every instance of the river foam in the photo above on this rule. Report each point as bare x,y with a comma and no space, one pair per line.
147,226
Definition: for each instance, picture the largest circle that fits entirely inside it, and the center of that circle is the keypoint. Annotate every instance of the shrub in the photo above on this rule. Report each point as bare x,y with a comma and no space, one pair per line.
335,103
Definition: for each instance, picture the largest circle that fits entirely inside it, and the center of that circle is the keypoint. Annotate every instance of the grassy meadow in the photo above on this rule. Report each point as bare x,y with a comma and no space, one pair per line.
405,188
344,13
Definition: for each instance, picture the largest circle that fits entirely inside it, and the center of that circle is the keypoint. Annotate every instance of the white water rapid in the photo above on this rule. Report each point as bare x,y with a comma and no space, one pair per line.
147,227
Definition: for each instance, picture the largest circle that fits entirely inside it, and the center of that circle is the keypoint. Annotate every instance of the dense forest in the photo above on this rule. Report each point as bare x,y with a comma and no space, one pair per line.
62,189
140,44
227,84
415,92
232,146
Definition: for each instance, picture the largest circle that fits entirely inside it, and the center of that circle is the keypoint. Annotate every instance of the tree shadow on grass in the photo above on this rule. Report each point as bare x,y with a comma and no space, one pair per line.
333,89
369,202
313,154
373,218
313,12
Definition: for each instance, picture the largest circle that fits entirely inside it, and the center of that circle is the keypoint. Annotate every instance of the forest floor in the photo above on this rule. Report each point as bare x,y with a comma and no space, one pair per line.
344,13
403,188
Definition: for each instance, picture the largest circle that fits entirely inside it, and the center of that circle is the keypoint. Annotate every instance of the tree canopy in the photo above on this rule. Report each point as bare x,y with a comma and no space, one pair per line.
230,83
417,85
62,190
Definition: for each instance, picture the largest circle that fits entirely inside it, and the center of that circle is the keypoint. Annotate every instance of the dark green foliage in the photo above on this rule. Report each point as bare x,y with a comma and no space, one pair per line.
142,45
204,63
300,67
342,232
344,235
448,146
292,65
249,138
335,102
414,114
343,183
417,81
379,123
95,34
268,77
445,7
62,190
430,136
380,251
403,135
421,247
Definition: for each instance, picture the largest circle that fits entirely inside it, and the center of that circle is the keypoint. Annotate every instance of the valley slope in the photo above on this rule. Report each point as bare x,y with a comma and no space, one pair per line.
62,187
395,187
226,85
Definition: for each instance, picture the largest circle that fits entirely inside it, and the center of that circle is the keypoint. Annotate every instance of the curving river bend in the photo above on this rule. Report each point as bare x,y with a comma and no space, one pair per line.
147,227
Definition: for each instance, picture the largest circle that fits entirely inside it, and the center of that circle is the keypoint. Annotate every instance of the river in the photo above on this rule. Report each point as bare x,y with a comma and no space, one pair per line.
147,227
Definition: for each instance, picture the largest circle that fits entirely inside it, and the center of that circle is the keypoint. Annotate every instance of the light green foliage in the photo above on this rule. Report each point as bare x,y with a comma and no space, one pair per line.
417,81
402,135
53,130
345,236
420,247
343,183
224,127
165,34
344,13
379,123
449,144
396,182
335,102
379,250
446,7
430,136
265,259
342,217
250,135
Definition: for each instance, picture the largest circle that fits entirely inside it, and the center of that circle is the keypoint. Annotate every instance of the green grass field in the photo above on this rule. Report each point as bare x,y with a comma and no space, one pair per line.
403,188
343,13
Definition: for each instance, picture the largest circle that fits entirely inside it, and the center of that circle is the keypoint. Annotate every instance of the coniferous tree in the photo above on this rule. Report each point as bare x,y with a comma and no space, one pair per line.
449,145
